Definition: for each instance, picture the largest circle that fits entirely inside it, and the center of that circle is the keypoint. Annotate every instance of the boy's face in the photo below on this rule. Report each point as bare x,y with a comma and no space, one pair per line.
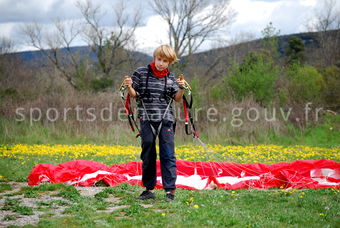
161,63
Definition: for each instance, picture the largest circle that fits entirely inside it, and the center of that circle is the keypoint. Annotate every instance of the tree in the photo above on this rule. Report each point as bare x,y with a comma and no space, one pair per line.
109,44
51,44
6,45
270,42
326,21
295,51
238,47
192,22
106,43
11,69
325,18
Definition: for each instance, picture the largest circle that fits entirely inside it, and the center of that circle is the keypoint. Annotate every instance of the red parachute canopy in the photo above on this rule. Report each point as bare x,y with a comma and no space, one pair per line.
197,175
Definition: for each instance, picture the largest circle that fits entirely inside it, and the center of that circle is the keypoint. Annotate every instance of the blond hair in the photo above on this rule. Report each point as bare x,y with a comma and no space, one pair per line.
165,51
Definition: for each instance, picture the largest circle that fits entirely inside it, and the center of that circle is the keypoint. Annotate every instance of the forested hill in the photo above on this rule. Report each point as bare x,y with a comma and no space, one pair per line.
320,49
214,63
38,58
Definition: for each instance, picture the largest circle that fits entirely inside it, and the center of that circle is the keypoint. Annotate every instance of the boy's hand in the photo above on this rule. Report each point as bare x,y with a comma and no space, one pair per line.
181,82
128,81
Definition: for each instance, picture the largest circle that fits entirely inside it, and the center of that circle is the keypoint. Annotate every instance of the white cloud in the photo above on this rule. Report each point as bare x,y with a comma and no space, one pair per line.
255,11
6,29
308,2
152,34
287,15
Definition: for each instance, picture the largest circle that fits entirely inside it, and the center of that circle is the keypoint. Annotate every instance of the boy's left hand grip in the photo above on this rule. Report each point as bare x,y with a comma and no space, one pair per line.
127,81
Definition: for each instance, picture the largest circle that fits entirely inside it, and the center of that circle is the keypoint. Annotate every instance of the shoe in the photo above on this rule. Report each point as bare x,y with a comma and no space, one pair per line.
146,195
169,197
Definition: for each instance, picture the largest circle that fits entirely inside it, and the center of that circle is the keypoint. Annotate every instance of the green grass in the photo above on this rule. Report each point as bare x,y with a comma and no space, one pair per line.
325,134
10,217
14,132
5,187
207,208
14,205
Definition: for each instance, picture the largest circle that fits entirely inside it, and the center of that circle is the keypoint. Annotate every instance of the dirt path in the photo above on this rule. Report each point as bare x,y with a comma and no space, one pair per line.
46,205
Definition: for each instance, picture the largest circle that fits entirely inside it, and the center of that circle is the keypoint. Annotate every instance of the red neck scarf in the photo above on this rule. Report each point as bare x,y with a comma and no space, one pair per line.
158,74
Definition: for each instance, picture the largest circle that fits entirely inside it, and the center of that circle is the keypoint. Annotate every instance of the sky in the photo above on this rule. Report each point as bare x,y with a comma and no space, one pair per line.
289,16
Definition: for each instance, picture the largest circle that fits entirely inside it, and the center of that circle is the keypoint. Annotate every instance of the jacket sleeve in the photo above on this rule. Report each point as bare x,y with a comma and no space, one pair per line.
136,80
174,86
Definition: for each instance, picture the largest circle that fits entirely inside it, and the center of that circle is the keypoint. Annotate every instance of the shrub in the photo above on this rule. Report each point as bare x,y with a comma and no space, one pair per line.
255,77
101,84
304,84
10,92
197,91
220,90
331,76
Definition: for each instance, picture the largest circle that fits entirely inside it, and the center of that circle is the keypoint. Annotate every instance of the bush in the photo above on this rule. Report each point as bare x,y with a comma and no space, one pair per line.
101,84
331,76
256,77
10,92
304,84
197,91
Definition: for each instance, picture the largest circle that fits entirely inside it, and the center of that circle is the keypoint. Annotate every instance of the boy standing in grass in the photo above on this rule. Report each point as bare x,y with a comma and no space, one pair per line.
155,88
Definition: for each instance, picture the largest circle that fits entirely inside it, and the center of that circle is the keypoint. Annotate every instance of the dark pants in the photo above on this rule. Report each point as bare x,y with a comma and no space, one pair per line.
167,155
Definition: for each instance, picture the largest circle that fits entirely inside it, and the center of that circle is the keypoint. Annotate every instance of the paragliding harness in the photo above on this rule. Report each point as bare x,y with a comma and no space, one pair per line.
187,108
146,94
189,121
128,110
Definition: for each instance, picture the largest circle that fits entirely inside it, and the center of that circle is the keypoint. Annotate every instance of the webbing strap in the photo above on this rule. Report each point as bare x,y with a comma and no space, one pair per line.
154,131
146,92
188,118
129,112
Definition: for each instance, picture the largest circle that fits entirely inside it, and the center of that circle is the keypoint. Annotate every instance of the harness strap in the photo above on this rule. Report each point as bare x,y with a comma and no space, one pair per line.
188,118
154,131
131,118
146,93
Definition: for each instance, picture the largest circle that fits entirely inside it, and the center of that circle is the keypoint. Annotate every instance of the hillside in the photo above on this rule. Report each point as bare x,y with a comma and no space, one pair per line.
37,58
214,63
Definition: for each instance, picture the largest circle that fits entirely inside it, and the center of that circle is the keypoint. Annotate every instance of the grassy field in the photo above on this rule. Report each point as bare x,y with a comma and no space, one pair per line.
213,208
325,134
208,208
